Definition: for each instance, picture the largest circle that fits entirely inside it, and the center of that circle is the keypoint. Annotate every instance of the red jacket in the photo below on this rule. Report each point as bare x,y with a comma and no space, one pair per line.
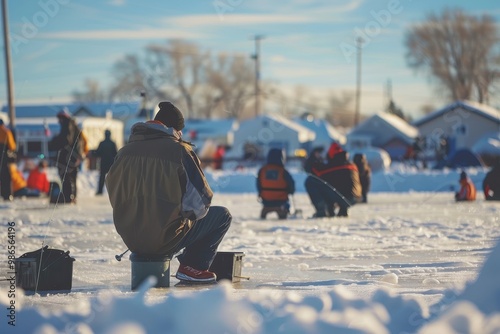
38,180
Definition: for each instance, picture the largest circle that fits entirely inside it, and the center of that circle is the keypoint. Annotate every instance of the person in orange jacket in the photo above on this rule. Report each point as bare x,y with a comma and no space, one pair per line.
7,148
37,178
467,190
19,185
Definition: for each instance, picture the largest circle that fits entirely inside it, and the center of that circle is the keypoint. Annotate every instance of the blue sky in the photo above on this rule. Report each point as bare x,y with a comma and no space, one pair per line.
57,44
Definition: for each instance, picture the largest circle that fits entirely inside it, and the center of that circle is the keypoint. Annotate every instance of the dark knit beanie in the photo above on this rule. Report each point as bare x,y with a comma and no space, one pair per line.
170,116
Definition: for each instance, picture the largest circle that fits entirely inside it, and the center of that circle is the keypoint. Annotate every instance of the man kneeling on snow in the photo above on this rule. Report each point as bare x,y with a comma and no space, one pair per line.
161,199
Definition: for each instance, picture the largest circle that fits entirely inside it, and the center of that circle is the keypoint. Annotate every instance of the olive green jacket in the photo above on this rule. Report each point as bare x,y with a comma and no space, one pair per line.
157,189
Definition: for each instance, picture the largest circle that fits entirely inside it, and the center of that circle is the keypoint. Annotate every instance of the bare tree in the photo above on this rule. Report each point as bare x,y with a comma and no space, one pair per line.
129,78
203,86
183,62
232,78
460,51
392,108
92,92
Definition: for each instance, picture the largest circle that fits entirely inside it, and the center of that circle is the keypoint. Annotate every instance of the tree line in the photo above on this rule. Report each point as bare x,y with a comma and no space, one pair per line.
459,52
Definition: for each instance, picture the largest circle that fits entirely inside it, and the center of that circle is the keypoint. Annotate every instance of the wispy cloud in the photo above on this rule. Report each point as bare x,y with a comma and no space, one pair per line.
43,51
300,11
117,2
121,34
234,20
321,10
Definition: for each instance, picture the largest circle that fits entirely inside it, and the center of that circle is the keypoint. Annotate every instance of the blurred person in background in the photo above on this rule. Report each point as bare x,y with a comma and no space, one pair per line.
71,149
7,154
491,183
218,157
107,152
19,184
274,184
37,178
467,190
315,157
365,175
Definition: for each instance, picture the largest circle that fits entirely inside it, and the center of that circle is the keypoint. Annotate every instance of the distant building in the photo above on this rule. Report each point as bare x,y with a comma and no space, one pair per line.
36,124
253,138
121,110
463,123
33,133
385,131
325,132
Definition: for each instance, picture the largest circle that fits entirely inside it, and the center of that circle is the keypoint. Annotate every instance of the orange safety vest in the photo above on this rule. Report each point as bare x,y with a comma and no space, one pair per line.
467,191
273,183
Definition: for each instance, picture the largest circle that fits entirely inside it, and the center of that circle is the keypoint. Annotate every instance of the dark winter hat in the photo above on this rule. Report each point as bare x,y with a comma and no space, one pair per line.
170,116
463,175
317,149
1,121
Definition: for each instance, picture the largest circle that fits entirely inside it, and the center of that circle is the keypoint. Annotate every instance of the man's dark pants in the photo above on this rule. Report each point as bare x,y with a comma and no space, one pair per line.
323,198
202,240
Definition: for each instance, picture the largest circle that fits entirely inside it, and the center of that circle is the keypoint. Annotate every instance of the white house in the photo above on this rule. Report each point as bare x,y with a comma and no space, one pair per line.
256,136
325,132
463,123
385,131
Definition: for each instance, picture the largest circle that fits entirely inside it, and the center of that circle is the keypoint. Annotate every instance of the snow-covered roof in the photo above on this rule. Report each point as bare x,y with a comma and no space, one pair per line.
397,126
119,109
208,128
400,124
324,131
304,134
471,106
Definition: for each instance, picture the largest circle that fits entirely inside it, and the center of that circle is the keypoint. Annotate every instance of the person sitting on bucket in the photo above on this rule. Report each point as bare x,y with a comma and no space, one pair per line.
467,190
161,198
274,184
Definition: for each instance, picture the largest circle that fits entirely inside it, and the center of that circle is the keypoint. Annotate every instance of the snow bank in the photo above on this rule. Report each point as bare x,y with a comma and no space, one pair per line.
219,310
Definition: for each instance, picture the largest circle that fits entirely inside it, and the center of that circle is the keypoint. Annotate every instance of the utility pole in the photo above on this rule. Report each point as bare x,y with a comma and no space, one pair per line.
389,92
359,41
8,69
256,57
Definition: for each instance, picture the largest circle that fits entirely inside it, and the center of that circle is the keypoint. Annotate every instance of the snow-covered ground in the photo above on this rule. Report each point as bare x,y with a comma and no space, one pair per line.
411,260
